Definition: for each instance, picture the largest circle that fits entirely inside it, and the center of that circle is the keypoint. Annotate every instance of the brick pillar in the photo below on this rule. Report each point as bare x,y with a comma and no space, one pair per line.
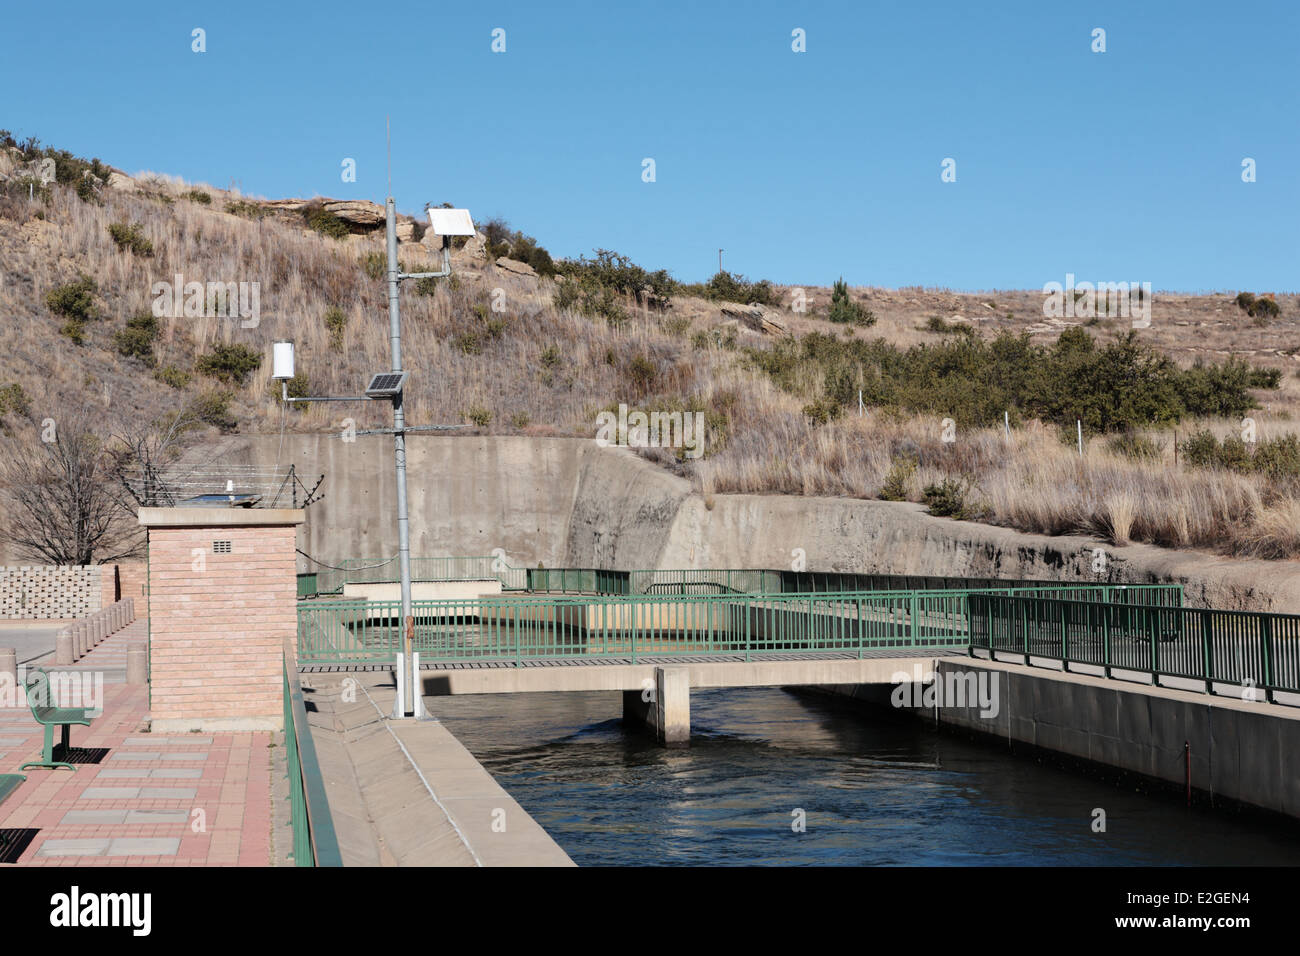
222,599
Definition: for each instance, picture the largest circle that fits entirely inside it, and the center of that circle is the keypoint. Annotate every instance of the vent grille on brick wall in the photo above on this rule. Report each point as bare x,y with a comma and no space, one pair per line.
220,547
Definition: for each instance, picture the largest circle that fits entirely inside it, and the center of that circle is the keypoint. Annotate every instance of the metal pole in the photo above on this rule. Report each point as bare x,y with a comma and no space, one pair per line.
399,453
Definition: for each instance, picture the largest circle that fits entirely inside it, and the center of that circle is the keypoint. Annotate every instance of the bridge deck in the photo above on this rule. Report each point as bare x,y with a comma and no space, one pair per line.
650,660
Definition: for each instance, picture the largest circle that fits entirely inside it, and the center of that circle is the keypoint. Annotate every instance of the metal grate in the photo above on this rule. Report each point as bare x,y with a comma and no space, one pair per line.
220,547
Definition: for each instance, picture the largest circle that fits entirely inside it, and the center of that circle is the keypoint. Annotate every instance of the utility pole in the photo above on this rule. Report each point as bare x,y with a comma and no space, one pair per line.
720,251
412,696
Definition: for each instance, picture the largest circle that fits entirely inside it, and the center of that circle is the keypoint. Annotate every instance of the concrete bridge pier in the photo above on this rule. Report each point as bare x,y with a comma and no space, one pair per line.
667,712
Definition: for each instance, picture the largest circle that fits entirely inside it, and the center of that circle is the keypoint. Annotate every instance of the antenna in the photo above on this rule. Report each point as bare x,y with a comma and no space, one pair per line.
388,129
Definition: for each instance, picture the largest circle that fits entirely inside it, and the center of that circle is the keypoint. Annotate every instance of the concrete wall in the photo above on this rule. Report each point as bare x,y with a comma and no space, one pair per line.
568,502
1243,751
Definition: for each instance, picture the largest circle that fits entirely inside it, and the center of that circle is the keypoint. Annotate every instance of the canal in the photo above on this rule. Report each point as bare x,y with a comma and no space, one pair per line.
874,791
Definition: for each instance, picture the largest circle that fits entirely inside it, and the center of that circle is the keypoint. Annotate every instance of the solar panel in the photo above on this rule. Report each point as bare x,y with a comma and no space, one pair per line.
386,384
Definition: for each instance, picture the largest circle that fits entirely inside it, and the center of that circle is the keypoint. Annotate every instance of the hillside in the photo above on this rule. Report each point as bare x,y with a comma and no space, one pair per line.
504,350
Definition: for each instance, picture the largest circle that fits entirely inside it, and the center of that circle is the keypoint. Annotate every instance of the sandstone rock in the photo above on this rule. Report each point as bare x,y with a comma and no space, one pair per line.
122,182
405,232
755,317
518,268
359,212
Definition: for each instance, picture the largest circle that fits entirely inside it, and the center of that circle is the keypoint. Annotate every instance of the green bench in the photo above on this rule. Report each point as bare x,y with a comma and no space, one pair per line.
41,700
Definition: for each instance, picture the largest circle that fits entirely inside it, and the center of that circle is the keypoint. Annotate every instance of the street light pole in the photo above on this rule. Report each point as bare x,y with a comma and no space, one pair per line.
409,704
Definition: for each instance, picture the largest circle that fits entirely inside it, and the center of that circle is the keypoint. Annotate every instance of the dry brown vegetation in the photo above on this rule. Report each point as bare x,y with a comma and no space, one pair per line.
536,369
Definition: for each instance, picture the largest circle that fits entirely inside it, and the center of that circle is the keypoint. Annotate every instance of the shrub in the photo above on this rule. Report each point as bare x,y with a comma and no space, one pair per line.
336,321
1121,386
1262,307
643,373
323,221
700,340
901,470
129,236
479,416
174,376
520,420
246,209
229,363
137,339
213,408
375,265
199,196
468,342
13,400
299,387
609,277
729,287
949,498
844,309
74,301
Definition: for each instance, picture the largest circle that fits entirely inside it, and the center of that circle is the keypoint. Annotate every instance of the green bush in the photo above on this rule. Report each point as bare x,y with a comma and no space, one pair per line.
74,301
213,408
950,498
844,309
246,209
901,470
609,277
336,321
375,265
128,236
729,287
1262,307
643,373
229,363
323,221
1271,457
199,196
174,376
137,339
1120,386
13,401
479,416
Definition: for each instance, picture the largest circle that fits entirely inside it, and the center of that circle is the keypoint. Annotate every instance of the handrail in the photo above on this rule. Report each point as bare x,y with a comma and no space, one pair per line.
314,838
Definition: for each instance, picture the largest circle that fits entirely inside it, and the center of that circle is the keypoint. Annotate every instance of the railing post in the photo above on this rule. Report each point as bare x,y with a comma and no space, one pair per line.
1065,637
1105,640
1207,650
1266,638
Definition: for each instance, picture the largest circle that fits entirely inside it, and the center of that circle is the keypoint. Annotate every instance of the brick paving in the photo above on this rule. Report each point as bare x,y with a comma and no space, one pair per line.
137,806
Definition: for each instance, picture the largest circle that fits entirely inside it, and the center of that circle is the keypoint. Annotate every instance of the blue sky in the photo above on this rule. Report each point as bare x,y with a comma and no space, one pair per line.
1115,166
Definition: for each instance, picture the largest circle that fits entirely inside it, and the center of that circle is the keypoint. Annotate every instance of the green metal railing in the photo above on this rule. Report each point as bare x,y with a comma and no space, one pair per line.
1246,649
553,626
314,840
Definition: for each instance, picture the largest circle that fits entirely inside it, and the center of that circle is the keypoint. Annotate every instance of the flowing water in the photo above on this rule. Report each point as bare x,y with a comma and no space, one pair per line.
872,790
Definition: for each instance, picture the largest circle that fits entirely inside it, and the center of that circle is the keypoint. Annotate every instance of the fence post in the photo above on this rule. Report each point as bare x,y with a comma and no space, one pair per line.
1266,638
1207,650
915,628
1065,637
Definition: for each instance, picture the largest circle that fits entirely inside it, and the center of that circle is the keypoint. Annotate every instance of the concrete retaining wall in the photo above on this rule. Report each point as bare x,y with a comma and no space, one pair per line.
1243,751
568,503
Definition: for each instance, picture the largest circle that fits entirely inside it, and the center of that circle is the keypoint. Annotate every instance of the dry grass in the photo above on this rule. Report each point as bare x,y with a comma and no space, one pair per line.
547,371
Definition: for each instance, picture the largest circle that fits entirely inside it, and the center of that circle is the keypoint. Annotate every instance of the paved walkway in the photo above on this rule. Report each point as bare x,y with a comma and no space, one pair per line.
151,799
